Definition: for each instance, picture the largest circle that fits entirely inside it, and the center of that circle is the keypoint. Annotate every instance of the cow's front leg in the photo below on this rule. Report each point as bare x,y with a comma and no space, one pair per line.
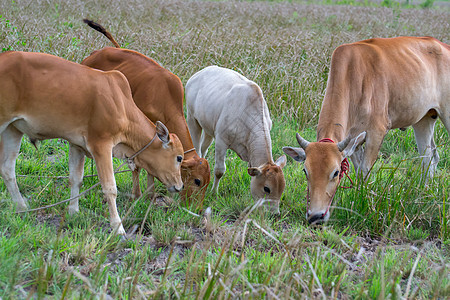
150,185
195,130
9,150
76,171
136,190
374,139
219,166
205,143
103,160
357,158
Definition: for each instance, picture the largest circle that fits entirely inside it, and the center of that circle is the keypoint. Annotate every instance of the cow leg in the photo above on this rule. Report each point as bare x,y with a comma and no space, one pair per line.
357,159
76,171
206,142
103,160
374,139
423,131
219,165
136,191
196,131
9,150
150,185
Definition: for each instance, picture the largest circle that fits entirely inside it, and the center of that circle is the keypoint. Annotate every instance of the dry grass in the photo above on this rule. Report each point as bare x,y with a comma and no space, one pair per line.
371,248
285,47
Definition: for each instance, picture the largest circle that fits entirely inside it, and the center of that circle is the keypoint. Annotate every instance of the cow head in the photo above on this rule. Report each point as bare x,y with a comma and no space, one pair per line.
195,173
322,168
163,158
268,182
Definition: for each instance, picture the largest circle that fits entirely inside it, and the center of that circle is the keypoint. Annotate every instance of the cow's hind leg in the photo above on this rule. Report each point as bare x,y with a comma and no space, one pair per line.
9,150
76,171
423,131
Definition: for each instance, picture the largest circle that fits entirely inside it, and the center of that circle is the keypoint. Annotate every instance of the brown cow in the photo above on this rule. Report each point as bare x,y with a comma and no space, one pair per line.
46,97
159,94
374,86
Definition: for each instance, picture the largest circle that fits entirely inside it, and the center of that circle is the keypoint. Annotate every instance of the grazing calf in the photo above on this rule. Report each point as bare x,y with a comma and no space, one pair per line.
374,86
159,95
225,106
46,97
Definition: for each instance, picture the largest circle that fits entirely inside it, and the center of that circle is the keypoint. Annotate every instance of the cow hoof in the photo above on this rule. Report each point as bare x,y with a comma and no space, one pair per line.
121,231
21,208
73,211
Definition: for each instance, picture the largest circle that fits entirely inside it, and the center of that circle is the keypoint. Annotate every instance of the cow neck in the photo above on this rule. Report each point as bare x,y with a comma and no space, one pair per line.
331,125
335,114
259,147
139,133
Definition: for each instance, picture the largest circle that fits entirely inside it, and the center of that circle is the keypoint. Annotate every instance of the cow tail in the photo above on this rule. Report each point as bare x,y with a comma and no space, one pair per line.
101,29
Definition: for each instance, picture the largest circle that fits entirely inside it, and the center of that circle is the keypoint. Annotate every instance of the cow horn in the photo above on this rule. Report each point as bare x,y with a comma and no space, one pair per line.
343,144
301,141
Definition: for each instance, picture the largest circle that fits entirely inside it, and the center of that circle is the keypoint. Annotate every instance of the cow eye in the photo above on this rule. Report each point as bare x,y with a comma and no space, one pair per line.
267,190
335,174
197,181
179,158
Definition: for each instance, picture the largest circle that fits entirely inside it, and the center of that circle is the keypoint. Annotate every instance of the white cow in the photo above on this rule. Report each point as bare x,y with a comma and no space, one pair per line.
225,106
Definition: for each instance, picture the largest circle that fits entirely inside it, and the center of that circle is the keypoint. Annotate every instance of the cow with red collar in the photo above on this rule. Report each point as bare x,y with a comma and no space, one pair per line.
374,86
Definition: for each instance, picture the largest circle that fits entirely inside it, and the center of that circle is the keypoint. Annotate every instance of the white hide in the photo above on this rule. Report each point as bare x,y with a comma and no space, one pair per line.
225,106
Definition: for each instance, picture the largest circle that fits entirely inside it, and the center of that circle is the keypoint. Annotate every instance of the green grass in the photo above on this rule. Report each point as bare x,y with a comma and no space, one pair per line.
377,232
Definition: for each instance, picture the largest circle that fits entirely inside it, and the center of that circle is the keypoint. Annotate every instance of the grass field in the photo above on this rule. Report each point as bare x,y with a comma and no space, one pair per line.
387,238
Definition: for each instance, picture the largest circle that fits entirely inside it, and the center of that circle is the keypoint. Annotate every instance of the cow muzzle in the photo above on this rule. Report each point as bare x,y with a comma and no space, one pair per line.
318,218
175,189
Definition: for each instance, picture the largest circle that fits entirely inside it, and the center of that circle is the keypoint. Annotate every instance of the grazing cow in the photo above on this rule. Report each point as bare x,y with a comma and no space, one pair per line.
159,94
231,109
46,97
374,86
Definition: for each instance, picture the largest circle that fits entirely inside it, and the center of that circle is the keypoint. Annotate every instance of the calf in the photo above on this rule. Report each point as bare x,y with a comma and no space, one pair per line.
47,97
225,106
159,94
374,86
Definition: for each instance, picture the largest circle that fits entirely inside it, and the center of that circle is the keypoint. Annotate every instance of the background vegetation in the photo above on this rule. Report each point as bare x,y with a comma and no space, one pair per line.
387,238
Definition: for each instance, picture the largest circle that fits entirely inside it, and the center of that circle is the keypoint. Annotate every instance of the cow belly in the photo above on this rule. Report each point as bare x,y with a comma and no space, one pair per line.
43,132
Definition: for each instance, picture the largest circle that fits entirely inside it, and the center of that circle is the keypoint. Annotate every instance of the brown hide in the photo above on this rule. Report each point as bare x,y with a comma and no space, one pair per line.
47,97
159,94
375,85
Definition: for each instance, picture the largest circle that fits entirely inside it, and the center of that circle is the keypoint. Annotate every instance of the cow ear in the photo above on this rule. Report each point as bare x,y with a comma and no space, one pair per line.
162,132
281,161
355,142
189,163
254,171
297,154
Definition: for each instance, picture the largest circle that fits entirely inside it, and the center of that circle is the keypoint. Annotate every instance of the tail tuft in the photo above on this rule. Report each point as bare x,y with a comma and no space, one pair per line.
102,30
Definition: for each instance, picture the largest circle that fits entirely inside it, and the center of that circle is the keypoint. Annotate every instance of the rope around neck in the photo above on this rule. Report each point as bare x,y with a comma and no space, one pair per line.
190,150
